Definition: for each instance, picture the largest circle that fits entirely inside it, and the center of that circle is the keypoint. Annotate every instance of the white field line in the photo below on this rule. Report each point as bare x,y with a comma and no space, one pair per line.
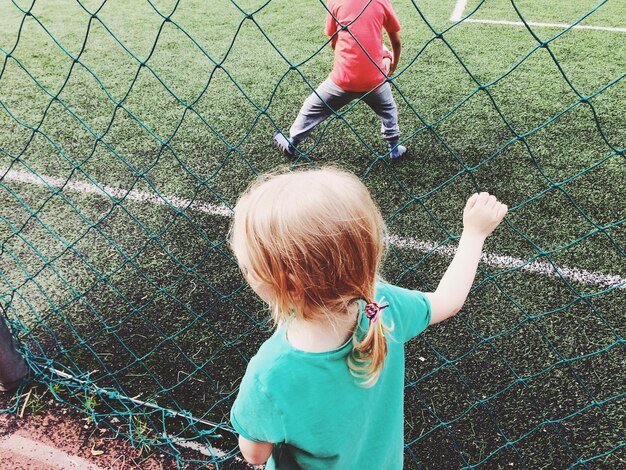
115,193
548,25
459,8
491,259
509,262
211,452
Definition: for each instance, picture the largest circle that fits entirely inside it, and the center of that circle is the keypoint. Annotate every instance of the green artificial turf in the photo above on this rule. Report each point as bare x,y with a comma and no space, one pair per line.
179,100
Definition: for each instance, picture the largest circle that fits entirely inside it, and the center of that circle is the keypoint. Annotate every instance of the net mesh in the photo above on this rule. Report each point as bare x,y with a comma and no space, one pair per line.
129,128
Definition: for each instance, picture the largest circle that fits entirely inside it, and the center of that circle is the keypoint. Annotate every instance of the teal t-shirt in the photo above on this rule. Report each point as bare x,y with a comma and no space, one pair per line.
315,411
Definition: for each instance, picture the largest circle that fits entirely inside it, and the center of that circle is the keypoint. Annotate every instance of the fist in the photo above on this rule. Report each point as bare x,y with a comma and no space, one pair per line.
387,65
482,214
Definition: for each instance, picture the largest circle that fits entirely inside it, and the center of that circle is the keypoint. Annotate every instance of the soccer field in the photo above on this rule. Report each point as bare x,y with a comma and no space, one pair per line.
129,128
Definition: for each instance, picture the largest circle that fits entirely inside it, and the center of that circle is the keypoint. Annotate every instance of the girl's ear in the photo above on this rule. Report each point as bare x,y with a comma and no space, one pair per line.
294,287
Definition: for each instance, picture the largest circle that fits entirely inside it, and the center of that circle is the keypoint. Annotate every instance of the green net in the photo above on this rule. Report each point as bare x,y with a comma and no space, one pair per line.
128,129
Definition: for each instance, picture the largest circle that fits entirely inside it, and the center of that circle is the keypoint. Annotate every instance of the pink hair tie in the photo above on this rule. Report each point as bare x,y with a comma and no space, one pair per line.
373,309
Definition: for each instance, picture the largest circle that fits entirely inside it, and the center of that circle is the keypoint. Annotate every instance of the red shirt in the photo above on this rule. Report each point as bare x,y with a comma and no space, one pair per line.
353,70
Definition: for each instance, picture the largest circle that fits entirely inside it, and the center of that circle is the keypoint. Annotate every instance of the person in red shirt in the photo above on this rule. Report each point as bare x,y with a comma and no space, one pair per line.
360,71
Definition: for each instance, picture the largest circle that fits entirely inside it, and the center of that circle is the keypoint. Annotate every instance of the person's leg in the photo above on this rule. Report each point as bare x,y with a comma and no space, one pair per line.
13,367
328,98
321,104
382,103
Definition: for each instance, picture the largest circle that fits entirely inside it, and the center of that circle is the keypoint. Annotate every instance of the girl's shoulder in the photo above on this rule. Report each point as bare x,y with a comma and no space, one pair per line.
271,357
408,311
384,288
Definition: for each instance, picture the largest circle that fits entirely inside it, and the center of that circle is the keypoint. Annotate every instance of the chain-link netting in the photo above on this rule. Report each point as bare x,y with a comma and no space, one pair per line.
128,129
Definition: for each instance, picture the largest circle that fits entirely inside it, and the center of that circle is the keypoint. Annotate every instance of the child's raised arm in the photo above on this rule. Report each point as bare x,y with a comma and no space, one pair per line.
482,214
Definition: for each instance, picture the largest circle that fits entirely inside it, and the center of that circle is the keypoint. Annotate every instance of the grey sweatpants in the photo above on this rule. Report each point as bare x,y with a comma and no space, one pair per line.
329,98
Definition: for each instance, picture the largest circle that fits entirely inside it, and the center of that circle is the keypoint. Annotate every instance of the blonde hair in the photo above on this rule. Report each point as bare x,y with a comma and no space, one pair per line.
316,238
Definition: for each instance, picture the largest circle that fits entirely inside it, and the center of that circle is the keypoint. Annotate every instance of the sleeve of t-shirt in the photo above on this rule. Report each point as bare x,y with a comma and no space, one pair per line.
331,23
253,414
391,23
409,310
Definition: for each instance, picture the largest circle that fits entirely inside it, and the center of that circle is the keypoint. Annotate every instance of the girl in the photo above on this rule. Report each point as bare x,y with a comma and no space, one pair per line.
326,390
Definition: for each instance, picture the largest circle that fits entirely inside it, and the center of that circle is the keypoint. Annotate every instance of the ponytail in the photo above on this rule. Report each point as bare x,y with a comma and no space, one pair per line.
368,355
